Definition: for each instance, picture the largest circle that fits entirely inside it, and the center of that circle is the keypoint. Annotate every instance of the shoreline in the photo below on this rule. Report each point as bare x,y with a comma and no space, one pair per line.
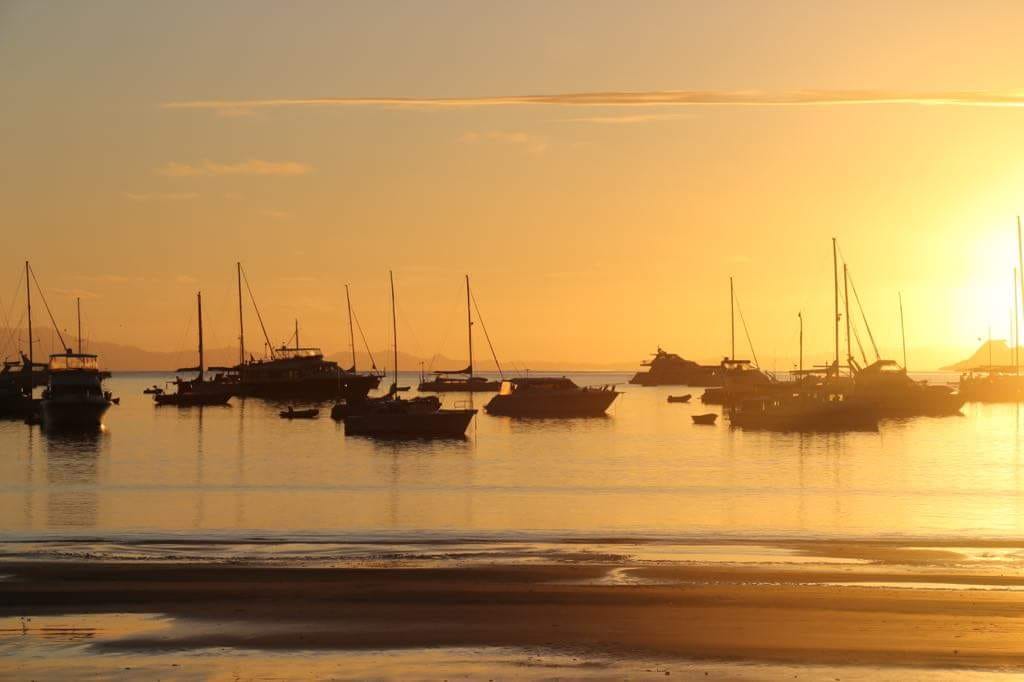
873,605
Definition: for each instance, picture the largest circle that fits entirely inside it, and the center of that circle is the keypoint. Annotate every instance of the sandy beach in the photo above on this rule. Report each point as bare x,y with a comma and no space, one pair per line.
890,606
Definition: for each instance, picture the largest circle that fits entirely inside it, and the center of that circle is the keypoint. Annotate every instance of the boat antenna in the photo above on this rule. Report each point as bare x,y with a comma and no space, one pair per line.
846,303
202,359
1020,265
28,300
241,319
266,337
835,290
394,327
903,332
800,316
351,332
78,310
469,323
296,333
487,336
732,320
1014,329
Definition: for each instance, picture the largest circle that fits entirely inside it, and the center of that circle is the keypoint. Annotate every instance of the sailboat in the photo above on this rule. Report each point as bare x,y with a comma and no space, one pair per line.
199,391
737,378
19,378
74,397
395,417
447,381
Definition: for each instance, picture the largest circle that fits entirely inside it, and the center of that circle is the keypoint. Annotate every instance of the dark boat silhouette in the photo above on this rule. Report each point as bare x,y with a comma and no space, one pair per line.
199,391
992,384
550,397
705,419
395,417
895,394
679,398
740,378
74,397
20,378
669,369
293,372
292,413
461,380
806,411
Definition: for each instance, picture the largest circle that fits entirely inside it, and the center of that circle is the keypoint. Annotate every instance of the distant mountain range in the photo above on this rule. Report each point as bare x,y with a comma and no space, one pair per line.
1001,354
124,358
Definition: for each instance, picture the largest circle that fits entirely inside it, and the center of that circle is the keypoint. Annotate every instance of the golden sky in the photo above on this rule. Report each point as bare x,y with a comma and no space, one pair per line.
598,168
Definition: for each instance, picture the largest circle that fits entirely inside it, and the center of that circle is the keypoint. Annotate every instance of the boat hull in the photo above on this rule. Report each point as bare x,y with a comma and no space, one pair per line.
576,404
459,386
350,387
437,424
73,414
203,399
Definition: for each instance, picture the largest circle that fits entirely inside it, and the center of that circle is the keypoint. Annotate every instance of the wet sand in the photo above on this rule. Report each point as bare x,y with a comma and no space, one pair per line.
875,614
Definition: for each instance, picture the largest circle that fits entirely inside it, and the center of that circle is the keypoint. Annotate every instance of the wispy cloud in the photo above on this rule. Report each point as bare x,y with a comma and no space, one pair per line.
634,118
532,143
209,168
161,196
641,98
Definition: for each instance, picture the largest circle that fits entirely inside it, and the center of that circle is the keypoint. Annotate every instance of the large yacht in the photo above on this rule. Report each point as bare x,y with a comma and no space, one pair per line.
550,397
74,395
669,369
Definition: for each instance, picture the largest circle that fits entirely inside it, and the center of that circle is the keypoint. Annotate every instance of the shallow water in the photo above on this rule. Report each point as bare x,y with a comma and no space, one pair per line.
645,470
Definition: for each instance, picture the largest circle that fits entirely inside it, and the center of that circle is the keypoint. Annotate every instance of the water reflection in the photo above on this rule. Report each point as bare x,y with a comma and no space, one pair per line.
72,472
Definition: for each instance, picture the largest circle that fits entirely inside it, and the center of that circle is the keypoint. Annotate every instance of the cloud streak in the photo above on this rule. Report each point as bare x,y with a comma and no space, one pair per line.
209,168
533,144
634,99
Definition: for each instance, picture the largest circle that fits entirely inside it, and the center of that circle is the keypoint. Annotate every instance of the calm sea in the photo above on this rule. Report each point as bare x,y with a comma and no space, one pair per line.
242,472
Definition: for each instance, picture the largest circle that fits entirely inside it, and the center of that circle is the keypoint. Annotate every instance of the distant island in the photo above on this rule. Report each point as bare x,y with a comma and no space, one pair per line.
1001,354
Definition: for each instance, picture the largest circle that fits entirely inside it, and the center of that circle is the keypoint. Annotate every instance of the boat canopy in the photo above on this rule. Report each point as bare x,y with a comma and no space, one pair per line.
286,353
64,362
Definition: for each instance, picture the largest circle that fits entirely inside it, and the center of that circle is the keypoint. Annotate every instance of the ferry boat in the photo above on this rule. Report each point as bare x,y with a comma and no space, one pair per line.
461,380
74,396
669,369
550,397
199,391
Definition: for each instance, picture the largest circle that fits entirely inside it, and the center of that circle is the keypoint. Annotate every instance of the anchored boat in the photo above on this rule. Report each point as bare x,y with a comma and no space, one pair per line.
550,397
199,391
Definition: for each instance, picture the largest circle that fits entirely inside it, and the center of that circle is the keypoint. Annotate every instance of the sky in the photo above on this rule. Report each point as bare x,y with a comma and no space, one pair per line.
599,169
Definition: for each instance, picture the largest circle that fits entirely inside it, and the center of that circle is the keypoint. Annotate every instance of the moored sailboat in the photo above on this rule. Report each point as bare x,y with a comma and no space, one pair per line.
394,417
199,391
461,380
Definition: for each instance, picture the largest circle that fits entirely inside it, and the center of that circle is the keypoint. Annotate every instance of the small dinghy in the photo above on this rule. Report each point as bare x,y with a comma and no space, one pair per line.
705,418
679,398
292,413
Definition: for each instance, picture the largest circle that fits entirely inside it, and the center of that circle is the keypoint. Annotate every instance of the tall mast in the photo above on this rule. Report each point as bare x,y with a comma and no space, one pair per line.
846,302
78,310
241,320
351,333
1013,327
732,321
202,359
469,322
296,333
835,287
903,333
28,301
394,325
800,315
